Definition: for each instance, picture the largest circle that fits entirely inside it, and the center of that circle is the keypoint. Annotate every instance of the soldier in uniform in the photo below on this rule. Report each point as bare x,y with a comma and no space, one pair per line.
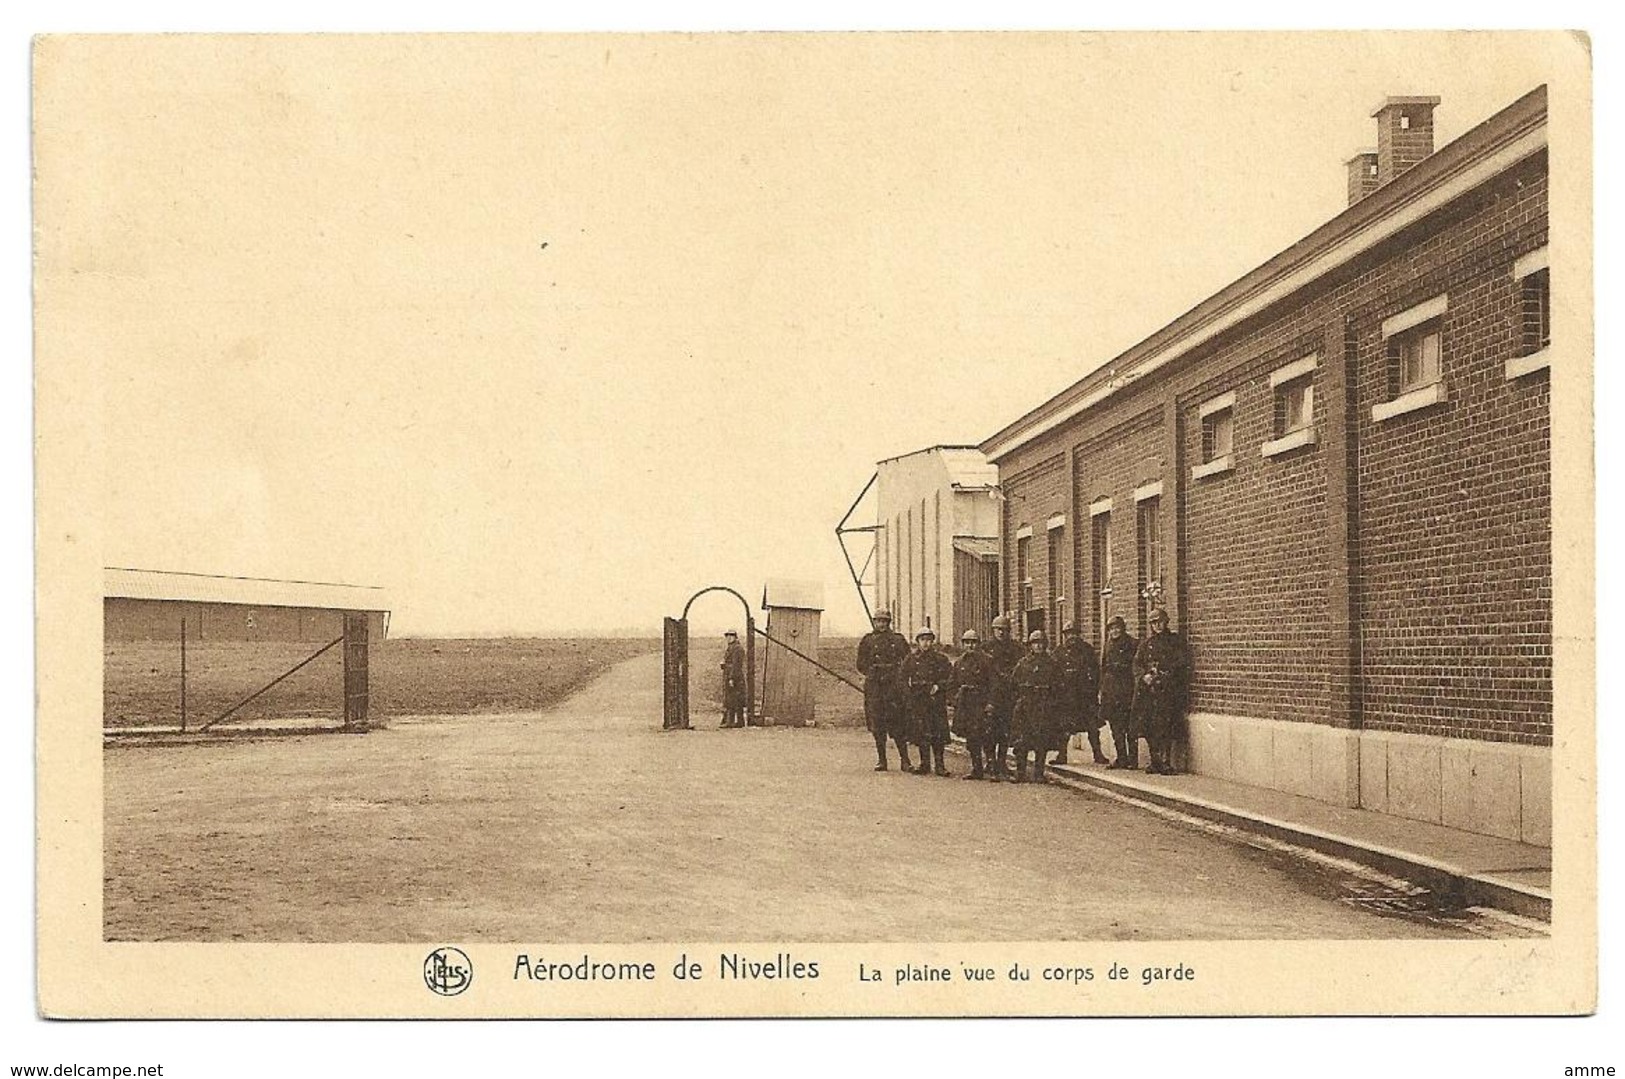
973,701
927,677
1032,723
880,660
733,682
1117,692
1005,654
1162,669
1079,698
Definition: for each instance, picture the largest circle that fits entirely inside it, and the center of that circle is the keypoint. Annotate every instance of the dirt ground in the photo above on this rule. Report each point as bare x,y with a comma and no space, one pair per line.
141,680
587,823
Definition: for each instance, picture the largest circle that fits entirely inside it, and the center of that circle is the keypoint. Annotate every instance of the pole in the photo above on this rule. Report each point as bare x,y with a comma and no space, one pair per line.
797,652
183,674
256,694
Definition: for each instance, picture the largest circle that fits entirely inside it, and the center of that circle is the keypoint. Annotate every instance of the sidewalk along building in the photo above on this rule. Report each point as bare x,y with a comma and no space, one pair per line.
176,616
1337,472
937,546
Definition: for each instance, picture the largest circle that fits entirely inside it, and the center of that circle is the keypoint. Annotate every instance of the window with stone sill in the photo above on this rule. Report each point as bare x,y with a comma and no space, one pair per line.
1415,358
1218,435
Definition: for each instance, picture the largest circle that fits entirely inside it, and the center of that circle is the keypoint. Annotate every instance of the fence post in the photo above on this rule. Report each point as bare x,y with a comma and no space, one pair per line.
183,674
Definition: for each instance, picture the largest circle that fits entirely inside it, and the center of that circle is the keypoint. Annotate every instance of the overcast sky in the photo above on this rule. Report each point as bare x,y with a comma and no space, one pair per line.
545,334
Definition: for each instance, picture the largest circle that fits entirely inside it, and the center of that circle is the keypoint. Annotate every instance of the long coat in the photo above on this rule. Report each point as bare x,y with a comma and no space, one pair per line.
880,661
973,695
1005,655
1076,706
733,676
1161,702
1117,683
927,678
1032,724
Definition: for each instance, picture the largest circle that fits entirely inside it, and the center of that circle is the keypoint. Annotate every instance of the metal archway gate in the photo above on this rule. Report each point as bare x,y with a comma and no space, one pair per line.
674,693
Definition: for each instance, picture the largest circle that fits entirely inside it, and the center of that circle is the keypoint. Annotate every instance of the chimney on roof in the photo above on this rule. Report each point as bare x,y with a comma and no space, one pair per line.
1362,175
1404,134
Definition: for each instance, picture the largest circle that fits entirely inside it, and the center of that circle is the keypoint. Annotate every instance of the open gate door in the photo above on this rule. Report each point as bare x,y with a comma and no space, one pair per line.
675,690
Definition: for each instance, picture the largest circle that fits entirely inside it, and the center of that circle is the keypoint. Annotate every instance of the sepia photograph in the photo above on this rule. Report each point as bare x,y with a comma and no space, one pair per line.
815,523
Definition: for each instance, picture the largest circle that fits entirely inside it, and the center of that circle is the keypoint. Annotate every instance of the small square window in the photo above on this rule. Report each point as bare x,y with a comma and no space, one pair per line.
1294,405
1413,357
1404,122
1218,434
1535,329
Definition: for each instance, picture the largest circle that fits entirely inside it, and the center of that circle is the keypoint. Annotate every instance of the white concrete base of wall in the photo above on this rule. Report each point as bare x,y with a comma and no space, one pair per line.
1492,788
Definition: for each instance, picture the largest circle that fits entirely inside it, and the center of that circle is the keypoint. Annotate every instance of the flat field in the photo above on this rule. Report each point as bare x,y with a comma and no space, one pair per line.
587,822
142,684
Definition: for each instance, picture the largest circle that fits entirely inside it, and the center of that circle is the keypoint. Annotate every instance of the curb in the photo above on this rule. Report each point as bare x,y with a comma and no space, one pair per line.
1442,878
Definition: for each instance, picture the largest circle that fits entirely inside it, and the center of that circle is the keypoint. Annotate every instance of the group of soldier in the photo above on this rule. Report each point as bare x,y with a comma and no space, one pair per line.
1028,700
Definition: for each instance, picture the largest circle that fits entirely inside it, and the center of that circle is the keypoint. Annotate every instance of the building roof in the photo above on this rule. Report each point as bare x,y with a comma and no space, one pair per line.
801,595
124,583
1511,135
977,546
967,466
927,449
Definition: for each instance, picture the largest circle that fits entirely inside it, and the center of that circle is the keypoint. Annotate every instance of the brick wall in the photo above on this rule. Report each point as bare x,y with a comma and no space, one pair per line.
1446,522
1032,494
1112,465
1454,507
1255,565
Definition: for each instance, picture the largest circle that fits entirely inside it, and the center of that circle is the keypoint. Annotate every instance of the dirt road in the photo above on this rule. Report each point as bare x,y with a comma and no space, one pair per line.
587,823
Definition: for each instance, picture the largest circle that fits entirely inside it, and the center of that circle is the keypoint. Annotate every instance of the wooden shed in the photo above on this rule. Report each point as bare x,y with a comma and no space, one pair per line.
789,683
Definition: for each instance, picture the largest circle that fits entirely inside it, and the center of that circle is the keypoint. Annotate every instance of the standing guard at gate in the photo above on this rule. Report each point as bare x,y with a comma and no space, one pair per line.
1005,654
927,675
1117,692
1032,723
733,682
973,701
880,660
1077,707
1162,669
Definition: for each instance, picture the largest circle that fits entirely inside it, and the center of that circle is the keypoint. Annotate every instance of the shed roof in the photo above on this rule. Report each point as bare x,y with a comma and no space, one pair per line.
124,583
784,592
977,546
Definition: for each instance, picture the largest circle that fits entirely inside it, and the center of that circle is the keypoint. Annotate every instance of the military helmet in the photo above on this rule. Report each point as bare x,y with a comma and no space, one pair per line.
1117,620
924,632
1158,614
882,615
1035,637
730,633
970,635
1002,622
1070,627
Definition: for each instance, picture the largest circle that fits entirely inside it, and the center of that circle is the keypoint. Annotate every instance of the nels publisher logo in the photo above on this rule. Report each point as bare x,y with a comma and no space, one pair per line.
448,971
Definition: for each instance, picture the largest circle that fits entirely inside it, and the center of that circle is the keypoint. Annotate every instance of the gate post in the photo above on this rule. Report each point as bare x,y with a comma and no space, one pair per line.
355,671
750,668
675,683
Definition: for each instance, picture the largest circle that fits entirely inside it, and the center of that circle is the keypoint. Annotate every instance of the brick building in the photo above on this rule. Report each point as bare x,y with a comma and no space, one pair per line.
1338,470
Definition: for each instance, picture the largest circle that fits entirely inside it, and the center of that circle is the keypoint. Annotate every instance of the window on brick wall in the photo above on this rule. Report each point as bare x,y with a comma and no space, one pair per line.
1057,596
1218,418
1533,278
1100,530
1024,570
1413,358
1148,534
1294,405
1294,392
1413,346
1218,435
1536,311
